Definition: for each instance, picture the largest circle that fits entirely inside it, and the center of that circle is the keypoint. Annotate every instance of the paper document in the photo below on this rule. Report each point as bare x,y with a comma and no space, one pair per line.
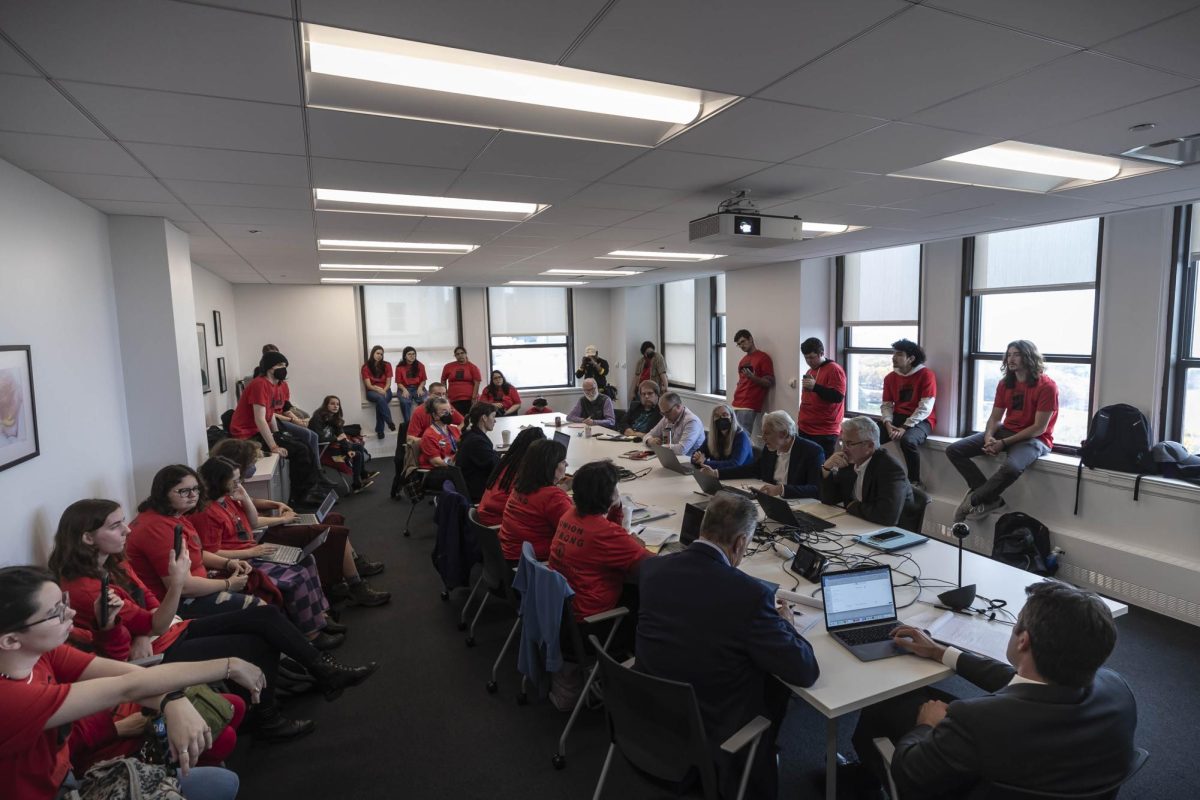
655,537
821,510
965,632
803,620
650,513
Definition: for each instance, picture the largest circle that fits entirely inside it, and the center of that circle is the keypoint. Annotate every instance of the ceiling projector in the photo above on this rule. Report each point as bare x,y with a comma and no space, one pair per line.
737,223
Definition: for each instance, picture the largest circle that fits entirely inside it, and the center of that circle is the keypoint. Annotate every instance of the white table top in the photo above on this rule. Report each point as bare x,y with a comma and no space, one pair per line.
846,684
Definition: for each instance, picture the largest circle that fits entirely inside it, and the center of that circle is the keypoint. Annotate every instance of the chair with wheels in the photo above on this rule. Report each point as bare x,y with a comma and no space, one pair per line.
585,659
656,727
413,482
474,524
455,550
497,583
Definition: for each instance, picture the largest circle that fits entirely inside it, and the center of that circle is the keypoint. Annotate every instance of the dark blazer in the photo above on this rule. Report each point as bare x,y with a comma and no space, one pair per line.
476,458
1045,737
887,495
804,469
706,623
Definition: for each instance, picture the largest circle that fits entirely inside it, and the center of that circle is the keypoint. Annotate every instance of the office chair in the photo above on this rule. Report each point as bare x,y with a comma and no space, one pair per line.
497,577
655,724
475,525
453,549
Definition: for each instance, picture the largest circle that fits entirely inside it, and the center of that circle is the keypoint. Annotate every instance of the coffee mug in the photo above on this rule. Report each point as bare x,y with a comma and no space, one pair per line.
505,436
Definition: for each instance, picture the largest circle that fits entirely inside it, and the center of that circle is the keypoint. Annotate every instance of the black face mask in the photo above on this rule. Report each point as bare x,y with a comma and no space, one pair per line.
723,425
649,354
280,374
446,418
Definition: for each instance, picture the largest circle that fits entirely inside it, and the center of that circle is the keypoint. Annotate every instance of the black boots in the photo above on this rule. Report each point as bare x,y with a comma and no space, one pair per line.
333,677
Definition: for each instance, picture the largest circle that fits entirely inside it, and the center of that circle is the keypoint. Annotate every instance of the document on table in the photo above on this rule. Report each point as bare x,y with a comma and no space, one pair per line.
655,537
964,632
804,620
818,510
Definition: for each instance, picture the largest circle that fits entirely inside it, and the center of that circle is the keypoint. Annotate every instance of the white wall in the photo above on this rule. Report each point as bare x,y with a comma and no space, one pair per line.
213,293
58,297
941,324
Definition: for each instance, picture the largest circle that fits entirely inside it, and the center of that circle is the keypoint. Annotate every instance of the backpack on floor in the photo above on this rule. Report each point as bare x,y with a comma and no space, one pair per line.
1023,542
1118,439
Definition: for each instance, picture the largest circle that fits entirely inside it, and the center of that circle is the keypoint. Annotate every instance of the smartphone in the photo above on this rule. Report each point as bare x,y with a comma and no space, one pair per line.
887,536
103,600
178,539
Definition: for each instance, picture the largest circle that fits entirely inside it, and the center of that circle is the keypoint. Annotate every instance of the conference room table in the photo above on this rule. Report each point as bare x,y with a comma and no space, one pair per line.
845,684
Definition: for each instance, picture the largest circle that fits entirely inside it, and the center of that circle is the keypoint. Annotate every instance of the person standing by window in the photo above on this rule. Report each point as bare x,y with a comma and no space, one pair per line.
596,368
756,376
462,379
377,377
822,398
650,367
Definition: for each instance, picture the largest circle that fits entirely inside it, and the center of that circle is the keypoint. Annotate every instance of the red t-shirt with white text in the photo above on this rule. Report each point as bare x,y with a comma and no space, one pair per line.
594,554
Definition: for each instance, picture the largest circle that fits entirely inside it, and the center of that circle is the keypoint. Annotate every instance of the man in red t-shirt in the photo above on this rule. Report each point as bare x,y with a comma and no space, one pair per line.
462,379
1021,425
756,376
906,413
822,397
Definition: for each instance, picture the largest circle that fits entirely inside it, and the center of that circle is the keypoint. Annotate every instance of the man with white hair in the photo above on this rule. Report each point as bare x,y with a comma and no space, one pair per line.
593,408
790,465
866,479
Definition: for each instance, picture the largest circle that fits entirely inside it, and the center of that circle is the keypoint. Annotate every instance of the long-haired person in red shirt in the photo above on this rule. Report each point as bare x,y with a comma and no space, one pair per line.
537,501
462,380
377,378
502,394
906,414
410,382
500,482
46,684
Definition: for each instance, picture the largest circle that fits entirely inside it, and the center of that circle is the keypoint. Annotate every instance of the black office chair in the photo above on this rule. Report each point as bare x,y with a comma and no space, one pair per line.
475,524
498,578
913,517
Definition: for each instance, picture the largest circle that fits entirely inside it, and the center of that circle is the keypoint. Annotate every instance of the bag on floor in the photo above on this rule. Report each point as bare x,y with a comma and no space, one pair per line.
1023,542
1118,439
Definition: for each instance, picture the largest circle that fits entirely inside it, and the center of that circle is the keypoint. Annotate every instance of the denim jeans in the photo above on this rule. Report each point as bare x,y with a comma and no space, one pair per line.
209,783
910,443
1019,457
305,436
383,409
410,402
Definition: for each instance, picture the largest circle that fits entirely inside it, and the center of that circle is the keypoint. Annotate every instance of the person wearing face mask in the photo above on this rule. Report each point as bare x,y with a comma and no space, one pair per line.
422,416
727,444
439,449
789,464
593,408
650,367
462,379
703,621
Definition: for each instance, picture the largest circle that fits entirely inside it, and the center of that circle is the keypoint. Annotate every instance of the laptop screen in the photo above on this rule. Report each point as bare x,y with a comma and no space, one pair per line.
858,596
563,438
326,505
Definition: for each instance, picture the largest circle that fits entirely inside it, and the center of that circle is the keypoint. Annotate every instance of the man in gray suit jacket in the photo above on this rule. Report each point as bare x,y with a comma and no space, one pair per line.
1054,720
867,480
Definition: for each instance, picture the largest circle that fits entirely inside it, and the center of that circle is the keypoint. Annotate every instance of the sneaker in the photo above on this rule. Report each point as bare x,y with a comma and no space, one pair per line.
391,425
360,487
964,508
380,434
371,475
366,568
362,594
983,509
338,592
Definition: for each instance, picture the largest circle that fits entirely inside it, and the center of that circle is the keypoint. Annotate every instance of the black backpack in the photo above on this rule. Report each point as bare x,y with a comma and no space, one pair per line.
1118,439
1172,460
1023,542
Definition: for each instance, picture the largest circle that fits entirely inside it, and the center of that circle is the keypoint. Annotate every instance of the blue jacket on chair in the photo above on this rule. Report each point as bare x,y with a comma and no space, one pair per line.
543,593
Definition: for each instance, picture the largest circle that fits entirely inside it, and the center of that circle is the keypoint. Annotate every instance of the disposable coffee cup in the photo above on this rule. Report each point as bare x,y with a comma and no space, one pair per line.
627,516
505,436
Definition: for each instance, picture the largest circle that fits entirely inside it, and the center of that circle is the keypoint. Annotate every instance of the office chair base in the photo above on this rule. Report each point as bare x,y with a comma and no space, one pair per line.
559,762
523,699
471,643
462,626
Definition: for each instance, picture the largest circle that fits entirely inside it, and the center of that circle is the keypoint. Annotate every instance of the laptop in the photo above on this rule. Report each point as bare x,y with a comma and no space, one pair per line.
860,611
563,438
319,517
778,509
288,555
670,460
710,484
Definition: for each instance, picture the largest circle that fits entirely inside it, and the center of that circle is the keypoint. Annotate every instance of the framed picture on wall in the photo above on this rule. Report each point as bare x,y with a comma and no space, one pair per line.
202,344
18,414
222,381
218,333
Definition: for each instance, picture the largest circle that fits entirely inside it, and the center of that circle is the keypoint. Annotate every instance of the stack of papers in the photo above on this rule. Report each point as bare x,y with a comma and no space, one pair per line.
655,537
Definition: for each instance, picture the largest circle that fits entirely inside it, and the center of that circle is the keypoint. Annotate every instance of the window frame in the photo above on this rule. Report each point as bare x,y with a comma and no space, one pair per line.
569,376
972,308
1185,283
662,333
719,347
362,306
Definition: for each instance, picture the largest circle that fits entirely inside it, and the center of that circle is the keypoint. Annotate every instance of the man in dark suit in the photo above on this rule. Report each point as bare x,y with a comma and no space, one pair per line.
800,476
867,480
704,622
1054,720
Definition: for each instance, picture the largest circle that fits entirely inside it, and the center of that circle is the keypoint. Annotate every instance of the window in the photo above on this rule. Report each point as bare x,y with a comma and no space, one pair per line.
424,317
717,371
679,332
1037,284
1185,407
530,330
879,302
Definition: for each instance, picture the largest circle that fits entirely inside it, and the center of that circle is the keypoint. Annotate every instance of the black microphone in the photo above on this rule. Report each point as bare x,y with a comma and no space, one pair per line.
962,597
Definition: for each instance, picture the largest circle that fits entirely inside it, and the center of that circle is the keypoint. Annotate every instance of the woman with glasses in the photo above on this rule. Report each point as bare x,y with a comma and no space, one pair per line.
789,465
410,381
537,502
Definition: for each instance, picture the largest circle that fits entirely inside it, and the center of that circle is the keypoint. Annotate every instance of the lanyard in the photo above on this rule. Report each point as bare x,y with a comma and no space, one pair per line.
446,432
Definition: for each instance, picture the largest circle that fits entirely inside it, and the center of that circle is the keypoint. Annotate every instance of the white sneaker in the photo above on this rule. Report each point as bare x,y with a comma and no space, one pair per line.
964,508
983,509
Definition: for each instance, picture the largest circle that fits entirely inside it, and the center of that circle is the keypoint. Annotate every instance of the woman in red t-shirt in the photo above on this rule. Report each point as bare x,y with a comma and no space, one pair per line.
377,378
499,483
47,684
500,392
462,379
537,502
438,448
410,382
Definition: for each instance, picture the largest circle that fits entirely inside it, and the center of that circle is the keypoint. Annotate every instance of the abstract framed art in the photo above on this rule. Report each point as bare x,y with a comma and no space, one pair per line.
18,412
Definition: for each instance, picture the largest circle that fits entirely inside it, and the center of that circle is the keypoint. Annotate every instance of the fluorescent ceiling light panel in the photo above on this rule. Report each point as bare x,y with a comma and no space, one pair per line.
369,280
546,283
605,273
423,205
395,247
824,227
376,268
658,255
368,73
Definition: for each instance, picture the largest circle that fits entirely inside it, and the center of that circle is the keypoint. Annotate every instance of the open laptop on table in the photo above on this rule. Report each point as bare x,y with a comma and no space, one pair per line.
669,459
860,611
563,438
319,517
711,485
287,555
779,510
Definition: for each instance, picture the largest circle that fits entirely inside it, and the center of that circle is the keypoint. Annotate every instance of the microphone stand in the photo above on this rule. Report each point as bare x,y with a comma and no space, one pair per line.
962,597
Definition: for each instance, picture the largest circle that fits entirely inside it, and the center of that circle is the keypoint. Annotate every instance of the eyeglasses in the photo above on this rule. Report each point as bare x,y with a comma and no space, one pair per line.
59,613
187,491
853,444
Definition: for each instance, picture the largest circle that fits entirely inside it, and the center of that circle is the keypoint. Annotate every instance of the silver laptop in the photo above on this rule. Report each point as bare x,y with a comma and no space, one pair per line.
319,517
670,460
287,555
563,438
711,485
860,611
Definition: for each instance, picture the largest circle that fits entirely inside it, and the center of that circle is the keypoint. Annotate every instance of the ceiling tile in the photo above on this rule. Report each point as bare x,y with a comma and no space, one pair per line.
373,227
1170,44
473,231
790,181
275,8
372,176
769,131
634,198
537,30
215,193
11,62
231,166
176,47
882,191
553,157
720,47
557,232
341,134
1065,90
1109,133
894,146
108,187
68,154
959,198
518,188
1081,22
141,115
581,215
253,217
687,171
931,56
176,212
42,109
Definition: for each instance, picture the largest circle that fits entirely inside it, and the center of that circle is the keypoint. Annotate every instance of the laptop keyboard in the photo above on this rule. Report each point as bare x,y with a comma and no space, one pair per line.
306,519
286,554
869,634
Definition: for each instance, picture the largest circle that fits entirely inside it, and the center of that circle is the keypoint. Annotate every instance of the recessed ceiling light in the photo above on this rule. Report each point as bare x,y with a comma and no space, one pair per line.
546,283
614,273
658,255
376,268
394,247
423,205
370,280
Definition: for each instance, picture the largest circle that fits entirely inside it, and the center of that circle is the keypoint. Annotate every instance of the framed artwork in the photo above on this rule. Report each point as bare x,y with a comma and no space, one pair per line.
222,381
18,414
218,332
202,344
